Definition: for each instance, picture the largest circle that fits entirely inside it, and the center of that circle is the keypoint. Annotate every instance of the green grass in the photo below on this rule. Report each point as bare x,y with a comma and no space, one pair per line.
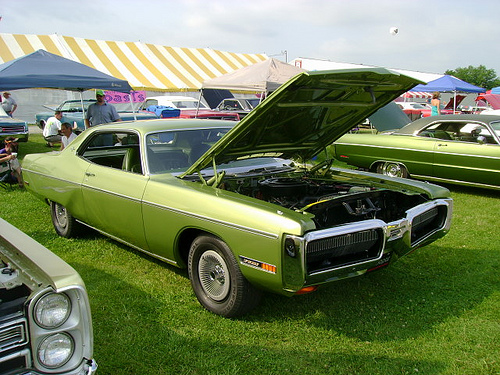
436,311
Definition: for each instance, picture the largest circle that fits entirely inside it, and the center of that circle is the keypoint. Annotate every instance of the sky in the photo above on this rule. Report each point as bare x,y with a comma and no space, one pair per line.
433,36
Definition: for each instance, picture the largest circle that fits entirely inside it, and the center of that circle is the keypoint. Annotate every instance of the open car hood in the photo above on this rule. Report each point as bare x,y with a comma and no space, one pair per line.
306,114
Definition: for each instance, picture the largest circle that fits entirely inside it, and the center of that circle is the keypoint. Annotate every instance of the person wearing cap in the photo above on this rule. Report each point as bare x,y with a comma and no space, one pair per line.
100,112
52,128
10,163
9,105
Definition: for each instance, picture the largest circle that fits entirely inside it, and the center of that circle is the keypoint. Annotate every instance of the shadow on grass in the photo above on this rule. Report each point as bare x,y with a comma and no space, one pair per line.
133,335
476,191
403,301
400,302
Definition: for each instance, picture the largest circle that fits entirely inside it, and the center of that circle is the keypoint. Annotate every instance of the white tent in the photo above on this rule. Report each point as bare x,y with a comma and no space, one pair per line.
264,76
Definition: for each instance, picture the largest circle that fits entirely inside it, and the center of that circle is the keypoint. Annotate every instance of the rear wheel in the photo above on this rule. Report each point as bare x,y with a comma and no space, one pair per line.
392,169
217,280
64,223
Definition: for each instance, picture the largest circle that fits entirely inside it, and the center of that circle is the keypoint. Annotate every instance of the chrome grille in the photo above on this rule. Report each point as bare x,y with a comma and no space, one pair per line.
13,129
426,223
12,335
343,249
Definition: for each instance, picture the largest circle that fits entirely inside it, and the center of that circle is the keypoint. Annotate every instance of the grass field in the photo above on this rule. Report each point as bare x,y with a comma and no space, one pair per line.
436,311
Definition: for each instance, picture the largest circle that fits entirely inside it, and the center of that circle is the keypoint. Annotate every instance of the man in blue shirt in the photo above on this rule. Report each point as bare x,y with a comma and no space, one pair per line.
100,112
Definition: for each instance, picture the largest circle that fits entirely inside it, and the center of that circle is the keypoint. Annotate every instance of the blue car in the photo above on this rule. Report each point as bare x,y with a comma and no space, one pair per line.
72,112
12,127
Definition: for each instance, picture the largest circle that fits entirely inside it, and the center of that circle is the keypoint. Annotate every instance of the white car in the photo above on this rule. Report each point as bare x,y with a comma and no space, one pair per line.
412,105
181,102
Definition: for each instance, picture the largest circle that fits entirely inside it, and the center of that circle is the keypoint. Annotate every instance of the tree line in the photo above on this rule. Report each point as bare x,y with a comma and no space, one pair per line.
477,75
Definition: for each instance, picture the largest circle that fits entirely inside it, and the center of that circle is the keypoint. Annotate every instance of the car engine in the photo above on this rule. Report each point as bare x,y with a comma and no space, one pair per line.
332,203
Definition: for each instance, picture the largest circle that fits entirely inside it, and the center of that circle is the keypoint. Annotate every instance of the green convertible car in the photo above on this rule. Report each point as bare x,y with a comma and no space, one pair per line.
456,149
240,205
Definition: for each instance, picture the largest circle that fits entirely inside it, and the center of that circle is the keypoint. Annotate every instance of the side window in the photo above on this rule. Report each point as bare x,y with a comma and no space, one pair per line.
435,131
476,133
118,150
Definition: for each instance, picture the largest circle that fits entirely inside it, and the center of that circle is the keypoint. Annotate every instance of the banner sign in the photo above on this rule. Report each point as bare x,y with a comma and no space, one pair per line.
121,97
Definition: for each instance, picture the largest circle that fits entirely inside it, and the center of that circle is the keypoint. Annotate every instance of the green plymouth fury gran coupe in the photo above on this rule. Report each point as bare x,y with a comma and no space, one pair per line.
456,149
239,205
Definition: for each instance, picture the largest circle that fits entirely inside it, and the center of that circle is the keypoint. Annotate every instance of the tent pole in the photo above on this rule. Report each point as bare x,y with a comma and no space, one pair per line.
198,104
132,104
83,108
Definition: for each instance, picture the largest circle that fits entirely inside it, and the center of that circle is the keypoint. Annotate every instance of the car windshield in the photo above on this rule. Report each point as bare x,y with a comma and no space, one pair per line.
175,151
75,106
496,127
188,104
253,102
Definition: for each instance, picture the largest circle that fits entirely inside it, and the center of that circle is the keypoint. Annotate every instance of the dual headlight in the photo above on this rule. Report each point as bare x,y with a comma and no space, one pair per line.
50,312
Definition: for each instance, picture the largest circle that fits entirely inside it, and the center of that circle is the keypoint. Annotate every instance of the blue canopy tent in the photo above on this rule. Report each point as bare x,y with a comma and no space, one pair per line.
42,69
448,84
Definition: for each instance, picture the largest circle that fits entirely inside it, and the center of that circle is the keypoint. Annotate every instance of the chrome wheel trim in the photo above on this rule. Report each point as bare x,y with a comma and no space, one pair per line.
214,275
392,170
61,215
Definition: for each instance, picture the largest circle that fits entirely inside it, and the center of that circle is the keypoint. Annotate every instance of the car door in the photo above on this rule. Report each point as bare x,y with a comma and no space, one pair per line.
113,195
468,158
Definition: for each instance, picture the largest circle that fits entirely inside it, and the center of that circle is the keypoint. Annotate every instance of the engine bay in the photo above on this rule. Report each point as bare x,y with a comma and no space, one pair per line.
331,202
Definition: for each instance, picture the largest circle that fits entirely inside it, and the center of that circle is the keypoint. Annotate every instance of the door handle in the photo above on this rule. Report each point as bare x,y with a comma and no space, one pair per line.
89,174
442,144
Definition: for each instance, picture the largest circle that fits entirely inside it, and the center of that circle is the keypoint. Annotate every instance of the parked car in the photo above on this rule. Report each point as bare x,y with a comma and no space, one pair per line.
241,106
72,112
239,204
414,110
12,127
181,102
459,149
45,322
189,107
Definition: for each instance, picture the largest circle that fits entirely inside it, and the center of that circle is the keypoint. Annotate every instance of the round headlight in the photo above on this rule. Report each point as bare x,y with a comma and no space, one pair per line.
55,350
52,310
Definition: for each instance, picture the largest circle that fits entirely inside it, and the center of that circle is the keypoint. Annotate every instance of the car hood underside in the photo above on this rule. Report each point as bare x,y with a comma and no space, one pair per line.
308,113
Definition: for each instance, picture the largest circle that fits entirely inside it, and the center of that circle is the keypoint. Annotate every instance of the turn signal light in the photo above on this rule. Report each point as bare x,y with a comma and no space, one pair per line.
268,267
307,289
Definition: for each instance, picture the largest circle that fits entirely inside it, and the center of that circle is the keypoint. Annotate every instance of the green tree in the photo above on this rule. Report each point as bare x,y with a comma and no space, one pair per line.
478,76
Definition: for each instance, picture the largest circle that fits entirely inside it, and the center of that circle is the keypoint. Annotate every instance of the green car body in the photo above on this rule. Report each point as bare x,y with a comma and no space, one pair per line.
249,214
457,149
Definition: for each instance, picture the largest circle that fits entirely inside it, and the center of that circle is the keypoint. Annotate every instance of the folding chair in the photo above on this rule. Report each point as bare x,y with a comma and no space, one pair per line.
7,180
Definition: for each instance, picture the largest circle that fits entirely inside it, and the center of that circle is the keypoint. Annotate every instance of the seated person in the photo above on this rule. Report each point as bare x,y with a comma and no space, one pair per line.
52,129
10,169
68,136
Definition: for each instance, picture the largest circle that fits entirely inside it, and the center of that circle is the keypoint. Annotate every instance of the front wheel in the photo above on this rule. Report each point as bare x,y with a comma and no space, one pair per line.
217,280
64,223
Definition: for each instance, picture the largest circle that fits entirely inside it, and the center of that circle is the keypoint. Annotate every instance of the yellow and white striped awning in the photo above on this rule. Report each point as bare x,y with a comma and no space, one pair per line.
145,66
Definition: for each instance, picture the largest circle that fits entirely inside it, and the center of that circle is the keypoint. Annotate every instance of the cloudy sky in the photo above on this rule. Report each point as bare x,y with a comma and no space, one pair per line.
433,35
